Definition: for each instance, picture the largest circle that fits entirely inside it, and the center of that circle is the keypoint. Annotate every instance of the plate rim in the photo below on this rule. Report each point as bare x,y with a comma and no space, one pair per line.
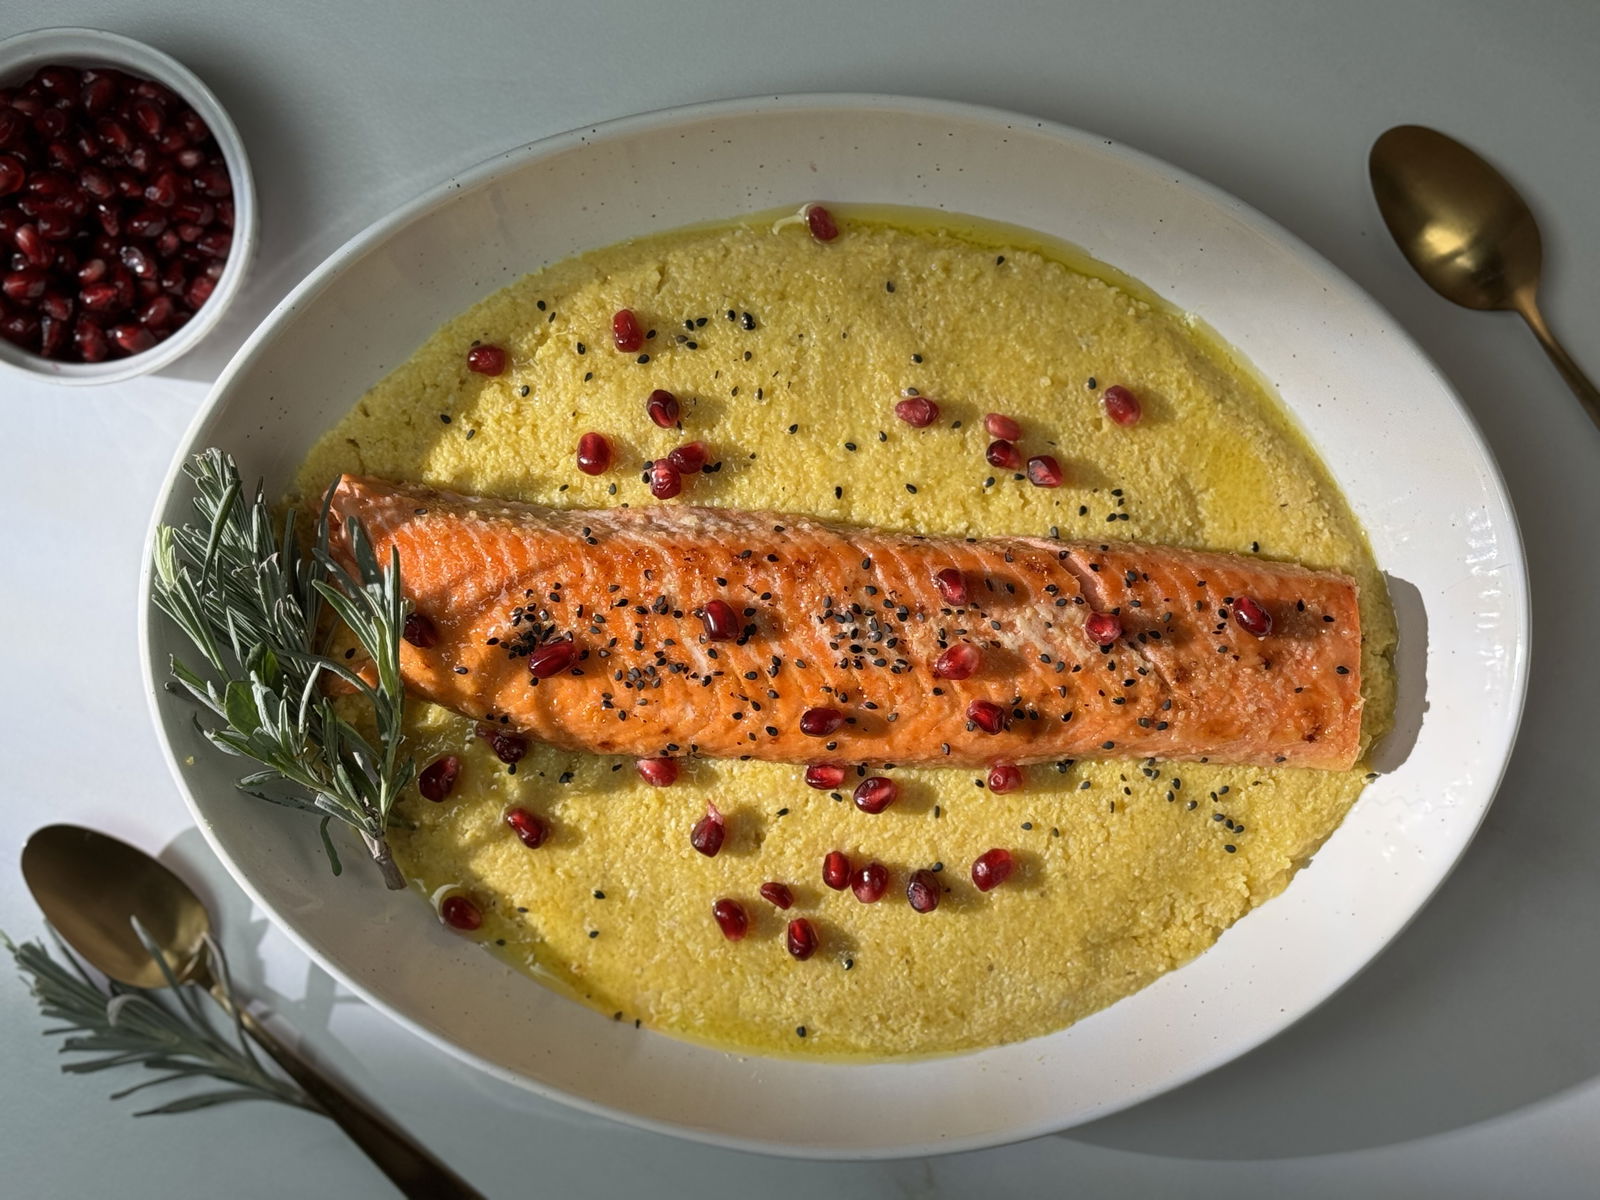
516,157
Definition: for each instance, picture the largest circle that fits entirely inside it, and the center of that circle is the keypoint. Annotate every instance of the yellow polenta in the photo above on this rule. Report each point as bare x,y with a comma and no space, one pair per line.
788,356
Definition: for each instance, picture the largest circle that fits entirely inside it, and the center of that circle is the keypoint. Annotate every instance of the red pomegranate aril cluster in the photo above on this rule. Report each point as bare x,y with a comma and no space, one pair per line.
625,331
874,794
1003,454
438,778
821,223
1102,628
922,891
530,830
689,457
731,919
458,912
1044,471
594,454
116,213
917,411
662,408
987,716
708,832
836,870
960,661
1002,427
721,622
870,882
825,776
991,869
658,772
419,631
952,587
1122,406
486,360
1004,777
801,938
552,658
820,722
1252,618
777,894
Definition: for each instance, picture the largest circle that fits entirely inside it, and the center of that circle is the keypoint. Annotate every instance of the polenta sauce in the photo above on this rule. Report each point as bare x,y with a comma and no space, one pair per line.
786,352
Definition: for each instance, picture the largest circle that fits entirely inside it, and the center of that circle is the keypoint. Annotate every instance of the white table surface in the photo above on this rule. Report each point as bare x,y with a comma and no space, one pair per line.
1465,1061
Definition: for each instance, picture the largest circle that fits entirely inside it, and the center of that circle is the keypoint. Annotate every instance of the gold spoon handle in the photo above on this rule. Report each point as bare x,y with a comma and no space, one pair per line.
408,1166
1580,383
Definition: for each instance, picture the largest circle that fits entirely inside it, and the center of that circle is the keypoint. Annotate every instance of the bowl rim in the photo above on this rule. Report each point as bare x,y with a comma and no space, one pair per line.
86,46
514,158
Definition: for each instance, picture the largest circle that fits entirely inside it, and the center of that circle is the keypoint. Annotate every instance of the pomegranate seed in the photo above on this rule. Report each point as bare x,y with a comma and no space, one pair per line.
1004,777
188,233
51,123
55,225
1044,471
922,891
777,894
1003,454
689,457
148,116
62,154
870,882
163,189
960,661
12,125
167,244
199,291
992,868
625,331
1003,427
825,776
1122,406
99,93
194,211
731,919
801,938
420,631
99,297
874,794
58,81
529,829
917,411
662,406
213,181
12,174
952,587
1103,628
820,221
665,482
58,307
481,360
987,716
137,261
460,913
24,285
708,832
52,336
20,329
509,748
1251,616
552,658
722,623
658,772
820,722
217,243
131,339
438,778
594,454
110,219
836,870
90,340
32,246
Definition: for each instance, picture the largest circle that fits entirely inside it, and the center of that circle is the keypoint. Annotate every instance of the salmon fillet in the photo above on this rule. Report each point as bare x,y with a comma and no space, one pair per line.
850,620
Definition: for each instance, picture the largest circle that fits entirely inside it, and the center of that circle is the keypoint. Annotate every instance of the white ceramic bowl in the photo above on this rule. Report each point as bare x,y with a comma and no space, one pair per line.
1417,473
25,53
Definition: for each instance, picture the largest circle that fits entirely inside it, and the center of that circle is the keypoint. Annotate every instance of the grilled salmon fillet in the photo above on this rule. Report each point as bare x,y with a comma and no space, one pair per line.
833,651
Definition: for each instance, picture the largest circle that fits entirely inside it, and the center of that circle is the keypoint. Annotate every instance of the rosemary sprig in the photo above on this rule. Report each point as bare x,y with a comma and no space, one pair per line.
251,598
176,1034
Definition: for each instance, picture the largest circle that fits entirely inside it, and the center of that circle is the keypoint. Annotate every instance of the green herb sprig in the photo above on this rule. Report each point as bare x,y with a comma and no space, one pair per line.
177,1031
250,596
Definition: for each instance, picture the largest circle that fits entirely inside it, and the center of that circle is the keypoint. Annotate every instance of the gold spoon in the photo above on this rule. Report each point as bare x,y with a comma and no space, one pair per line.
91,886
1467,232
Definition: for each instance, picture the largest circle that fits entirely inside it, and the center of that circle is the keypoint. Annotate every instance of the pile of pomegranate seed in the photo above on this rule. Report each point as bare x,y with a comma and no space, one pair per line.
991,869
820,222
486,360
922,891
438,778
917,411
952,587
1122,406
419,631
820,722
960,661
870,882
836,870
529,828
458,912
1251,616
116,213
730,917
875,794
594,454
708,832
1102,628
625,331
722,623
1004,777
552,658
777,894
658,772
801,938
825,776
